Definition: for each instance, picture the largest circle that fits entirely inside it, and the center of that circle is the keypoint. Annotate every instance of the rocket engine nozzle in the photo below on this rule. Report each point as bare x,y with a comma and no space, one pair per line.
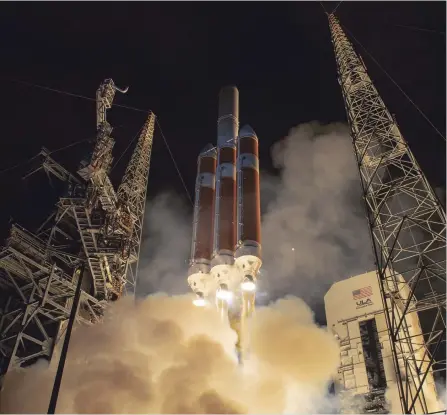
199,301
248,284
223,293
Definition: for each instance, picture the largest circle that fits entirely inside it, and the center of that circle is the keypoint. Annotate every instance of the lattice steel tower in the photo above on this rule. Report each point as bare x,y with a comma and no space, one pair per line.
407,226
95,233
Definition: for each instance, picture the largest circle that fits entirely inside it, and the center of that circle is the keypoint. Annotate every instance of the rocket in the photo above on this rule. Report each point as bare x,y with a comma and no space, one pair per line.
226,239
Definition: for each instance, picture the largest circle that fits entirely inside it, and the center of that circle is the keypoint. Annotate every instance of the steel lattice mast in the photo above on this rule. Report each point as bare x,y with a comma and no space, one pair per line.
407,226
93,230
132,201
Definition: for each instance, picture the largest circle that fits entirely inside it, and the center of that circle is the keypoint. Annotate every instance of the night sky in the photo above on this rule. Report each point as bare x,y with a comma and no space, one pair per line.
176,56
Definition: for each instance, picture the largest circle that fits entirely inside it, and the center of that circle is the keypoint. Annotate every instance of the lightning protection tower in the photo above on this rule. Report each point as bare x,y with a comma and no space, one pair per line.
407,226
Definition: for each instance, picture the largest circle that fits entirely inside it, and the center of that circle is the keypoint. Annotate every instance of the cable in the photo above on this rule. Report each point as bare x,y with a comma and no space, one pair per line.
336,7
321,4
394,82
173,160
420,29
59,91
70,145
19,164
127,148
38,154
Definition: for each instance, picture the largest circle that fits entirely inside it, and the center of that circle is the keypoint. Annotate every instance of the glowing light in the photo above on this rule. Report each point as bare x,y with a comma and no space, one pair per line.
199,302
249,286
293,249
224,295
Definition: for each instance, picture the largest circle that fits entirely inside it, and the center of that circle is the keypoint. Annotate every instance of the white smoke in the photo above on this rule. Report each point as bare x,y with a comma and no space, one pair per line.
314,206
314,229
166,248
165,356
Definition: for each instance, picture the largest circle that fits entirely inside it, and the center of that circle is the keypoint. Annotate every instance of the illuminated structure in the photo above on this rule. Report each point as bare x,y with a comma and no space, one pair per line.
226,243
367,381
94,234
407,226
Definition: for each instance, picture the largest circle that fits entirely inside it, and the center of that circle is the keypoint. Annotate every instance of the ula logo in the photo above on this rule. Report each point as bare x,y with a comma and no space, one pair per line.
364,303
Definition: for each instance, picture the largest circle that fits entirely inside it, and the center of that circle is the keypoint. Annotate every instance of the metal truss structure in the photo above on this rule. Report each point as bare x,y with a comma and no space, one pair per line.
407,226
132,198
94,230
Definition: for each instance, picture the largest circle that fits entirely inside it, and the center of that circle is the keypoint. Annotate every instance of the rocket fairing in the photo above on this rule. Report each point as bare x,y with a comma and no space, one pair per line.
224,240
199,278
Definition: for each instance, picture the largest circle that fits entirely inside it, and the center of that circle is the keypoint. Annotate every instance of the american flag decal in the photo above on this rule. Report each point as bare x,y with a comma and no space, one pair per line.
362,293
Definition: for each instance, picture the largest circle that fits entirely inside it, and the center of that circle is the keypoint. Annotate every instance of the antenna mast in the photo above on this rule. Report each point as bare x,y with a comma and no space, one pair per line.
407,226
132,201
93,235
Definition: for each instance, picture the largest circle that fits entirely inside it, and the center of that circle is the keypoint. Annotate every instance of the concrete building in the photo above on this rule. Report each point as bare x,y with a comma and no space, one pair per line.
366,380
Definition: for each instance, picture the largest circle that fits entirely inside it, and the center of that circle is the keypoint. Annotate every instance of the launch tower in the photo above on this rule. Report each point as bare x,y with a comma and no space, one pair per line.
407,226
95,233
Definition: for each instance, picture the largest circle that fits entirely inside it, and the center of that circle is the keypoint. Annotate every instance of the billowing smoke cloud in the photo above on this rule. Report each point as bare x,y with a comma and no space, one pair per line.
163,355
314,229
166,247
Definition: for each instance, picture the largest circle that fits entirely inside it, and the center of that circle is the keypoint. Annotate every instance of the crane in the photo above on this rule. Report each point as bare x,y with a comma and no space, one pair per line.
407,226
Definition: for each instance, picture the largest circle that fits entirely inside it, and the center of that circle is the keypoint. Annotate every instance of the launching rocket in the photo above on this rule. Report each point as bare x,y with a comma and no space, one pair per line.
226,240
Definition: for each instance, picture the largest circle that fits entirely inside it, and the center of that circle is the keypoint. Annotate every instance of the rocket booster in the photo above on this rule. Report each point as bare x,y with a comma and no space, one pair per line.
199,278
248,249
224,240
226,243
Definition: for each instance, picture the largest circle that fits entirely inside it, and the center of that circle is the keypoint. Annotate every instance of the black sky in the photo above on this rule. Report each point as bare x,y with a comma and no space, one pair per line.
176,56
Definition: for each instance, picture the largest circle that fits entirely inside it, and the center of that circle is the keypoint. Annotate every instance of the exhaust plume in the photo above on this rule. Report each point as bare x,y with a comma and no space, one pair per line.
163,355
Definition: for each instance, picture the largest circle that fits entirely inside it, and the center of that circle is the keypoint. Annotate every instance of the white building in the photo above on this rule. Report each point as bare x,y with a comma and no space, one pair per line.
366,377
